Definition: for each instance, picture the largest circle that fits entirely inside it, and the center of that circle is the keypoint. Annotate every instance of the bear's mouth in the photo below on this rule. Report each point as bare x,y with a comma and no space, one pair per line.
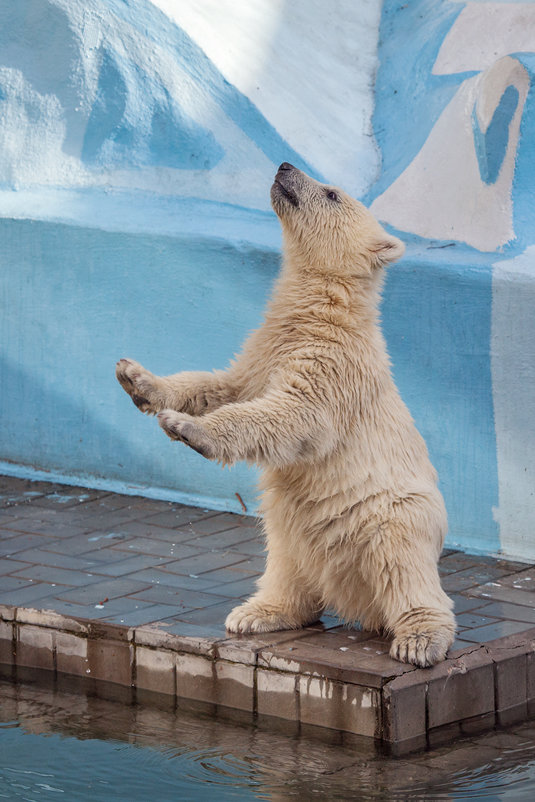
287,193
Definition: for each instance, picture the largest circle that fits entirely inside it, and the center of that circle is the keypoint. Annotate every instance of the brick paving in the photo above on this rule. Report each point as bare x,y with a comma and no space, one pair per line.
139,589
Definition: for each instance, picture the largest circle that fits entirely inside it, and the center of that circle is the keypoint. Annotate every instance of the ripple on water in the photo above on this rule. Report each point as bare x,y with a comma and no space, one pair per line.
59,745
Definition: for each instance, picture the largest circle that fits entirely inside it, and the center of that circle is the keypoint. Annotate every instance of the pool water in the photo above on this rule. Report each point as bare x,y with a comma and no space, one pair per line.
59,745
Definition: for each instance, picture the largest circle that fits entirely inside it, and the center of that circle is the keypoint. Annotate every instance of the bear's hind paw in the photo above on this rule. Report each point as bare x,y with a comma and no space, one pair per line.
422,649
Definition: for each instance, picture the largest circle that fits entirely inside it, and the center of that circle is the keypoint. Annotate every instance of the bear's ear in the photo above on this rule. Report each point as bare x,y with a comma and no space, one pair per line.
387,248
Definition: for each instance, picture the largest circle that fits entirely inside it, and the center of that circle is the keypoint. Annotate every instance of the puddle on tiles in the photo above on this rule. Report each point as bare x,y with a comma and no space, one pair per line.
56,743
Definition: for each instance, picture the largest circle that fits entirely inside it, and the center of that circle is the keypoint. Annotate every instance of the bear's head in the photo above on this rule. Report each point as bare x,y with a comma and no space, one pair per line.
328,228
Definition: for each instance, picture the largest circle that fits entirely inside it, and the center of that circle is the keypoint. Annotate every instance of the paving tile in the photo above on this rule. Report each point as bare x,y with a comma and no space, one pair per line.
28,595
498,629
457,561
8,583
123,564
57,576
97,591
471,620
18,542
497,592
214,614
135,529
105,519
521,580
461,604
161,577
56,559
460,647
142,616
233,573
6,517
242,588
51,528
215,523
358,665
469,578
66,497
8,565
199,564
253,548
123,605
183,600
513,612
195,630
231,538
178,516
81,545
145,545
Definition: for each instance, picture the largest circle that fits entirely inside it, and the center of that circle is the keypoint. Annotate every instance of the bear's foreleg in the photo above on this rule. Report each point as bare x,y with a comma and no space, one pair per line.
282,600
276,430
193,392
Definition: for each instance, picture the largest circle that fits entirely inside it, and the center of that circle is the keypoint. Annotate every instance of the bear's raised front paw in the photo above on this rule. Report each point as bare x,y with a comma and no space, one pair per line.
139,384
185,428
250,617
422,649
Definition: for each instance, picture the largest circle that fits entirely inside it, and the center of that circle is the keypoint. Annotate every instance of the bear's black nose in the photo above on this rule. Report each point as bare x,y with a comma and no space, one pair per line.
286,166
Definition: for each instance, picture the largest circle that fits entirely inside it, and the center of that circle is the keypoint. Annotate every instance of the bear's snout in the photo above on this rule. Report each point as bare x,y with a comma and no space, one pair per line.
284,187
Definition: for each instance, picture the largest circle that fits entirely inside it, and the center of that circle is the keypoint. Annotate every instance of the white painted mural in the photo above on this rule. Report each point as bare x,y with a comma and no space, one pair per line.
307,65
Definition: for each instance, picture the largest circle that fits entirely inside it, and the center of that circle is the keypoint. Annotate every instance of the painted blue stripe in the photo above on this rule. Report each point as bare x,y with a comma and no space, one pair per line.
437,319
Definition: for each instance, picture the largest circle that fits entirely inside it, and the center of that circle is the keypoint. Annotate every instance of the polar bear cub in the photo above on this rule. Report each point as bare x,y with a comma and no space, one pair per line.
353,518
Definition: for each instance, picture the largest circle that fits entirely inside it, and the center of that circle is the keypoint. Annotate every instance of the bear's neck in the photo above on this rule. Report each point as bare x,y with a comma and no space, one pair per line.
326,295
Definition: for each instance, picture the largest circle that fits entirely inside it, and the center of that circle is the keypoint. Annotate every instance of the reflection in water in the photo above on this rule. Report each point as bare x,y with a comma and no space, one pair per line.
54,742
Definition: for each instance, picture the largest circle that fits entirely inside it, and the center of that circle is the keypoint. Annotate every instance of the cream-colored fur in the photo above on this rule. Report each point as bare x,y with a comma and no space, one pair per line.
352,514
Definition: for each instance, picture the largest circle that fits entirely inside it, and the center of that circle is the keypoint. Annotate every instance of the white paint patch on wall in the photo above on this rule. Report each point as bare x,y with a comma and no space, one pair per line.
442,193
483,33
513,381
307,65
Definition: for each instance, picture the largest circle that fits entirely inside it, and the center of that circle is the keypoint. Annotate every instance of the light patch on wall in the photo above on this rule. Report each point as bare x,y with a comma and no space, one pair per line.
513,381
484,32
459,185
308,68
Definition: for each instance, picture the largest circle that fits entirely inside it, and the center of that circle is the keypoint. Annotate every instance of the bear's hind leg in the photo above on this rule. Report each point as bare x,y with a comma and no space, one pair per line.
408,599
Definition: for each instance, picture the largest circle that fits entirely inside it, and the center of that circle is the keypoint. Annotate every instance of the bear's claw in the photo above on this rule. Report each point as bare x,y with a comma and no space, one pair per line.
422,649
182,427
139,384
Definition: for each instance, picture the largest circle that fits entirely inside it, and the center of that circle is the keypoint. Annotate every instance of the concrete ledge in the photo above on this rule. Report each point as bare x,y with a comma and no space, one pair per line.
401,706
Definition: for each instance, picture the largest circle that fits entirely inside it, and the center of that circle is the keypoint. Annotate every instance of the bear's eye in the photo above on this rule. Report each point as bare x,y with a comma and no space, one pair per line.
332,195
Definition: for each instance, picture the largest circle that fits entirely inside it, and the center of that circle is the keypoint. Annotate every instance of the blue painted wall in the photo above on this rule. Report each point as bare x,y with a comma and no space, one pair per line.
136,158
